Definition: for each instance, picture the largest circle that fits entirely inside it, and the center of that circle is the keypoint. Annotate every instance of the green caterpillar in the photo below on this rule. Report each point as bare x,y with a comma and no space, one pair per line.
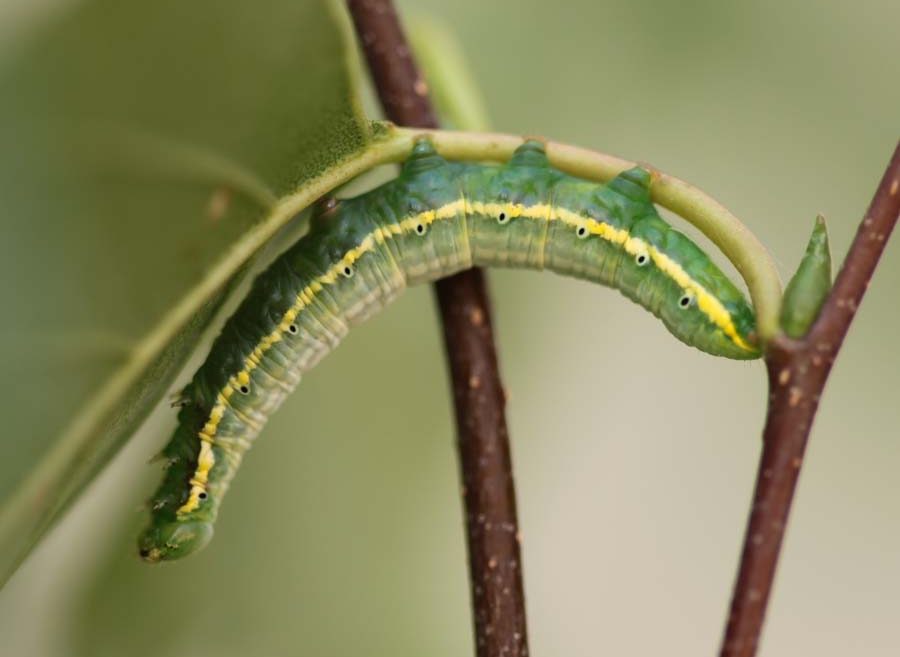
436,218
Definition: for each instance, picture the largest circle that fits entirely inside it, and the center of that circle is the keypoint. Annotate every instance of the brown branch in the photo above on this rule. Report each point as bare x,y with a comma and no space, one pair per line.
498,599
798,370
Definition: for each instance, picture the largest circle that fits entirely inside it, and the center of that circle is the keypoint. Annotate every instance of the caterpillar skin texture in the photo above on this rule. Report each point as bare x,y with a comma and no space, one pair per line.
436,218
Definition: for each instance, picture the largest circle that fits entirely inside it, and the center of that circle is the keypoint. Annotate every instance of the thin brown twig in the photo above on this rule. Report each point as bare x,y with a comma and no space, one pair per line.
498,600
798,370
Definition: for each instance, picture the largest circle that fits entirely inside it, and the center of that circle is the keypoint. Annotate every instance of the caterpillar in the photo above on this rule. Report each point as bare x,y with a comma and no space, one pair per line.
436,218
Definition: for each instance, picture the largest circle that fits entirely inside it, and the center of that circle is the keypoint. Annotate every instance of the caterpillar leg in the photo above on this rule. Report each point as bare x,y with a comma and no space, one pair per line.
173,540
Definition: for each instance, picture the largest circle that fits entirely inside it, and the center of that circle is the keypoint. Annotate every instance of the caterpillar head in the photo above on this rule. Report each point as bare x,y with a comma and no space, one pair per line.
696,301
711,326
173,540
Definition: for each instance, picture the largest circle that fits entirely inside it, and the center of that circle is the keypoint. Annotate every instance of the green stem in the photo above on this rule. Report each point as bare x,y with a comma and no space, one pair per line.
454,91
726,231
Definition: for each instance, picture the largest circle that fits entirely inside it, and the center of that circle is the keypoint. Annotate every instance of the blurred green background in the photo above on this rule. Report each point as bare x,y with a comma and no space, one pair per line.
634,456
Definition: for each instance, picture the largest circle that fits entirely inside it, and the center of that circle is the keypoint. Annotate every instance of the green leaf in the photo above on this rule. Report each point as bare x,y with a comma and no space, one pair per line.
144,147
805,294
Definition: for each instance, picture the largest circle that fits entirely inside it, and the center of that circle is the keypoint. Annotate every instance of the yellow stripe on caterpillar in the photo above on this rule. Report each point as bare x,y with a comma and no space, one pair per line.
708,304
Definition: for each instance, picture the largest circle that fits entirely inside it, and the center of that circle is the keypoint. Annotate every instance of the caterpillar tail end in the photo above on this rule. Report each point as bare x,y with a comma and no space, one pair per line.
173,540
